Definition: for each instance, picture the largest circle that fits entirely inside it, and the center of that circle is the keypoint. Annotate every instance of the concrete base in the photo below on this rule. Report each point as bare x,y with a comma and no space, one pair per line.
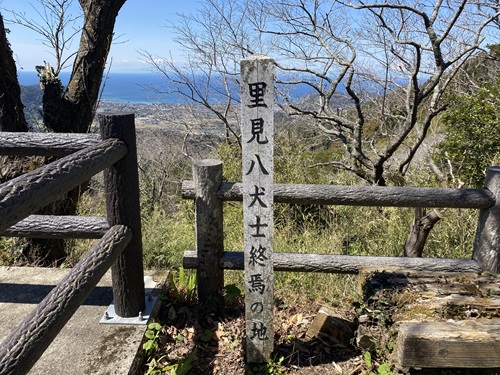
83,346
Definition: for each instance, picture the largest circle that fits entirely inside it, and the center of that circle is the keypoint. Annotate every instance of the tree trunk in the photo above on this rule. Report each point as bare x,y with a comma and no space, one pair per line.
12,117
422,225
11,108
74,112
71,111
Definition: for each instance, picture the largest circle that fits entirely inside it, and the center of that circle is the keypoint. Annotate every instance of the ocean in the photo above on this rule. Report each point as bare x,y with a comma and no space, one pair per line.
136,88
120,87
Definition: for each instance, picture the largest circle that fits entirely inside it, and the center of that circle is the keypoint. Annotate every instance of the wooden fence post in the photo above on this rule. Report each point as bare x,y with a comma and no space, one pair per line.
122,205
487,244
207,175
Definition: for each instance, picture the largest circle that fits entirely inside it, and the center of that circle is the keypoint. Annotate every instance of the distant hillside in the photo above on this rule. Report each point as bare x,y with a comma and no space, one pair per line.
32,99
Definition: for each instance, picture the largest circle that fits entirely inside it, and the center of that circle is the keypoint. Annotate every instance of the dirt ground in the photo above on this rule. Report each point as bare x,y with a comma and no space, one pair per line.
194,340
218,343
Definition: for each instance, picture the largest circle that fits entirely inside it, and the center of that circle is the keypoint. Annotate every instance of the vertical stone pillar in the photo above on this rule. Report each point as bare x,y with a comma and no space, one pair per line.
257,130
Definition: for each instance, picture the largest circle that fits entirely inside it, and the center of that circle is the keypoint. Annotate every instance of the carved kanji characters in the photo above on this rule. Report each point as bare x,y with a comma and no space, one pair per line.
257,91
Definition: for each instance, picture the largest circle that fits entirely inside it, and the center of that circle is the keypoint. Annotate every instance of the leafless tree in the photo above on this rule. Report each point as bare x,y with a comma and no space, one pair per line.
209,78
56,26
377,71
11,108
70,109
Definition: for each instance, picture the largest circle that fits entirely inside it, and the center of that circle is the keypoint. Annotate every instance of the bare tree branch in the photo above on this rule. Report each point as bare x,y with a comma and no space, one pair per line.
375,72
56,27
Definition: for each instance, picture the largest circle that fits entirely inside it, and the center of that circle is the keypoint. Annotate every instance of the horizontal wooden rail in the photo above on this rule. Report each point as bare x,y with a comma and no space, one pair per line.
28,193
22,348
377,196
43,144
51,226
333,263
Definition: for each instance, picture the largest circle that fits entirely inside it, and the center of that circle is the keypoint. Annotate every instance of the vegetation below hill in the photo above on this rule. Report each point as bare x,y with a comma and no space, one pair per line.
32,99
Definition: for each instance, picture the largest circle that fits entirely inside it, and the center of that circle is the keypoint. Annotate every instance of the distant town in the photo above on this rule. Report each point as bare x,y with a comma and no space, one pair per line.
195,119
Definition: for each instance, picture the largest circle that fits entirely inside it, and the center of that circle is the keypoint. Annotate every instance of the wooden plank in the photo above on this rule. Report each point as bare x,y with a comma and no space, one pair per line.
445,294
330,327
257,134
443,320
378,196
467,344
334,263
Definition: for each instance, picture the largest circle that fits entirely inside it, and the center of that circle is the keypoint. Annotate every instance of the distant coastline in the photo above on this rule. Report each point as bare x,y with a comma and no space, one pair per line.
166,114
146,88
136,88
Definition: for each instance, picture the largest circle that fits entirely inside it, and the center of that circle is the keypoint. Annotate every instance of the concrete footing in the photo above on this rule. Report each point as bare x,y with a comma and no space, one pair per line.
83,346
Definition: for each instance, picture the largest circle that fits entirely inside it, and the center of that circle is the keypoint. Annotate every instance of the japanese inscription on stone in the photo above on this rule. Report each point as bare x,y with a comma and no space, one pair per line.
257,128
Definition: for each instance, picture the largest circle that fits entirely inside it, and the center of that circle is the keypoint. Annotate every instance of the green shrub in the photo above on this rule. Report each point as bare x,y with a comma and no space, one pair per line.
165,237
472,140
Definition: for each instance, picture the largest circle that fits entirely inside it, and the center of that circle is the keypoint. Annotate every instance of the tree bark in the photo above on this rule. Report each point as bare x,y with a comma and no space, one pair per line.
71,111
419,232
74,111
11,108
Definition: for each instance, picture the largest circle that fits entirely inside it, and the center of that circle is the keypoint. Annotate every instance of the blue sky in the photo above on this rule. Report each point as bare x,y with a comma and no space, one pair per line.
141,22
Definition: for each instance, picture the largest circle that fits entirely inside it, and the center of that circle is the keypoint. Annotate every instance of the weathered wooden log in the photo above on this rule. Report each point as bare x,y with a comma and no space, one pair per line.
465,344
209,229
362,195
22,348
444,294
395,297
30,192
45,144
333,263
51,226
121,182
487,243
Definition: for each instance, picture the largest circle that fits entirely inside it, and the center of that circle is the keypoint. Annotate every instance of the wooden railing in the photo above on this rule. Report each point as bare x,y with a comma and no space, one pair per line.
82,156
209,191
